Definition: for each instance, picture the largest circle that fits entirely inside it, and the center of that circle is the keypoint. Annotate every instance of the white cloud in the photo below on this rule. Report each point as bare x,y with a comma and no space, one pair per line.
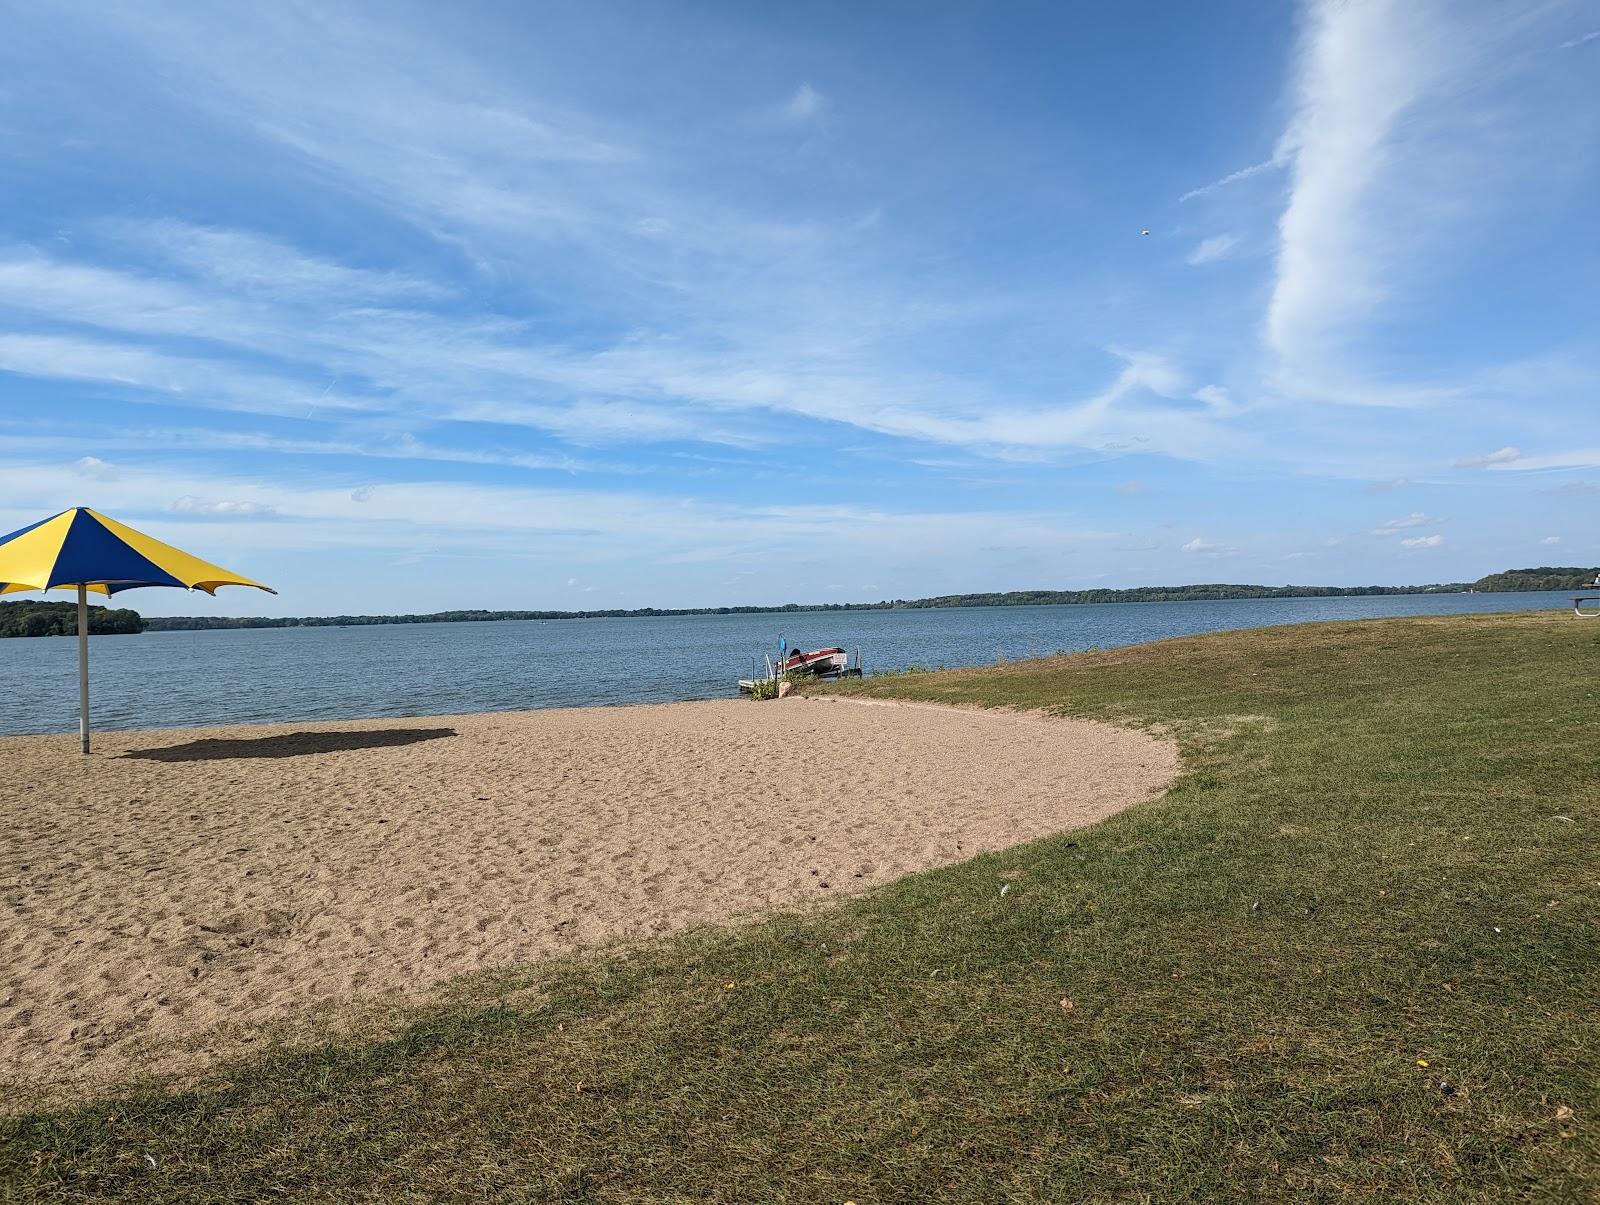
96,469
1363,65
1199,544
421,364
1218,399
1423,542
1579,41
1504,455
755,313
243,261
494,522
805,104
1583,458
1244,173
189,380
1131,487
1391,526
1551,540
1214,248
190,505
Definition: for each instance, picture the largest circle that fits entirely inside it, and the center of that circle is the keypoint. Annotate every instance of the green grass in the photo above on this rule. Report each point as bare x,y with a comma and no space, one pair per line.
1365,874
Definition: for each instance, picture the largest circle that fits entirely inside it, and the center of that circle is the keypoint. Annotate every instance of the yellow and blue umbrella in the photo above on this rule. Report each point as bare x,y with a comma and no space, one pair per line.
84,550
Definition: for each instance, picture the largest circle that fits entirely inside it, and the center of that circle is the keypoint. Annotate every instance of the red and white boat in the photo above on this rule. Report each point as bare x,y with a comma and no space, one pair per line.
818,661
821,663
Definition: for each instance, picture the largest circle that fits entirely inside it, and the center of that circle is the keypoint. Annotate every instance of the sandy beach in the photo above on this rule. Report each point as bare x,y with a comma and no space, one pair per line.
177,880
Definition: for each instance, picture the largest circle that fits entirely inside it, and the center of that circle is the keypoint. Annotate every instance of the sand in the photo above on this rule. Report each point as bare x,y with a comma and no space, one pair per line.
177,880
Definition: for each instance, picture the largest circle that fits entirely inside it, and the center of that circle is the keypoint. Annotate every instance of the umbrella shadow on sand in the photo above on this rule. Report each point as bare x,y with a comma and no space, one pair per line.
290,744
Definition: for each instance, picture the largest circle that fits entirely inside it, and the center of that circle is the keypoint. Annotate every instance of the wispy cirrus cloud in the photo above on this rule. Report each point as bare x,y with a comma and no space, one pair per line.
142,372
766,316
190,505
418,362
1209,251
401,446
1411,127
1200,546
533,525
244,261
1501,456
805,104
1579,458
1364,65
1244,173
1393,526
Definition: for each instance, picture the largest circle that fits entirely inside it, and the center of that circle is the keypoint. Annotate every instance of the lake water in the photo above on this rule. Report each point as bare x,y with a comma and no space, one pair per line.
176,679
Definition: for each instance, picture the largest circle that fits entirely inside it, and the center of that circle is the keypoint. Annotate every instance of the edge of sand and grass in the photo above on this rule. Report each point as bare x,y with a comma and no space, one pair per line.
1351,954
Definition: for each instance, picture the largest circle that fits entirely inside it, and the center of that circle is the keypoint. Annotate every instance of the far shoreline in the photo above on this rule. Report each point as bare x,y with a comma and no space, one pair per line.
243,623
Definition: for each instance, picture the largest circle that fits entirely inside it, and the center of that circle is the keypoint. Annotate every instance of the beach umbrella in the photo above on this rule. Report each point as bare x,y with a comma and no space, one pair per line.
81,549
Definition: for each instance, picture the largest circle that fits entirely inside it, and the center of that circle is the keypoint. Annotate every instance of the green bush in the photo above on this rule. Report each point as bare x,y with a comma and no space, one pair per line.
33,618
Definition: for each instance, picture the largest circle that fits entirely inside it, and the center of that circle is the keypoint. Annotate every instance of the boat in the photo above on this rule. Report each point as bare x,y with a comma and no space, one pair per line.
818,663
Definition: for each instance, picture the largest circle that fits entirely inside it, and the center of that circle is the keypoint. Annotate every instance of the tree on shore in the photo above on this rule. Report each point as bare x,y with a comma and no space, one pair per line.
29,618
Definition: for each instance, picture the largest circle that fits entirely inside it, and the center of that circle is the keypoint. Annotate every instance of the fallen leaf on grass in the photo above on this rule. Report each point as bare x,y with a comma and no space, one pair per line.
1066,1004
1563,1113
1422,1062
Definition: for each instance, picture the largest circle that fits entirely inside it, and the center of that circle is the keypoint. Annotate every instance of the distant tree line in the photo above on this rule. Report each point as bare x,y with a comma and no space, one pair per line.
1545,578
49,619
1014,598
61,619
1197,593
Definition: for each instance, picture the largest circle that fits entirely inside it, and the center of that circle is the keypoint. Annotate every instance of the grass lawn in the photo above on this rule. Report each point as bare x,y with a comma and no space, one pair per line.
1354,954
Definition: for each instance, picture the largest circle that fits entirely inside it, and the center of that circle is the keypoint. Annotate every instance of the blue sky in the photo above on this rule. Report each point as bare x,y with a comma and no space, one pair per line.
403,307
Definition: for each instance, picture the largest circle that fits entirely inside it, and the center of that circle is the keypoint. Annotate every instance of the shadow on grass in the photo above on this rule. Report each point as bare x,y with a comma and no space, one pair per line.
290,744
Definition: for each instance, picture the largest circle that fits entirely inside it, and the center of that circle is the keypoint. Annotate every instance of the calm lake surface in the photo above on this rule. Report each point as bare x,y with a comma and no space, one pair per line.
178,679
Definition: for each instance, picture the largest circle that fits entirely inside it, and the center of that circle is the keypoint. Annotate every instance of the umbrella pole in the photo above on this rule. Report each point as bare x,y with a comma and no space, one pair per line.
83,668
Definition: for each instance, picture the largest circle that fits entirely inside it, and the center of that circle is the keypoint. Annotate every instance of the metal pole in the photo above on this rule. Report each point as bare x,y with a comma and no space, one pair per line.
83,668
